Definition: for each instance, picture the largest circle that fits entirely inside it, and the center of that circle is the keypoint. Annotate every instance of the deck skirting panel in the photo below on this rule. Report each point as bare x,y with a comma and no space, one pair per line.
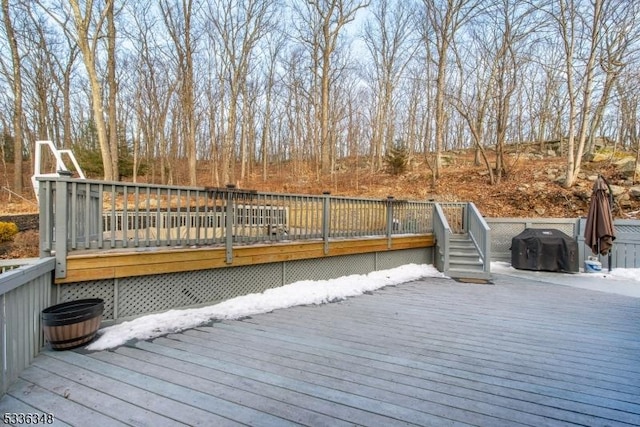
191,278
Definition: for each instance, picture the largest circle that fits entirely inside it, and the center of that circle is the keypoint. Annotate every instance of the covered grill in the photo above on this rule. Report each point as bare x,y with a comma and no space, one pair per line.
544,250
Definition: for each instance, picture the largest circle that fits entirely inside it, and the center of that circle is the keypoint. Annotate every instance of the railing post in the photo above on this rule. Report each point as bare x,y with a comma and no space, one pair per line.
44,219
60,224
466,214
326,220
389,220
229,219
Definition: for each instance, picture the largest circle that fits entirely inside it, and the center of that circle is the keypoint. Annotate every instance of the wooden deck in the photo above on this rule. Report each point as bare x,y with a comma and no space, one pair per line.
432,352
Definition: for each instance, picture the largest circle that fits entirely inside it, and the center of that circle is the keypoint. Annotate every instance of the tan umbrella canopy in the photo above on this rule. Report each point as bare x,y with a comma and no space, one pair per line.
599,233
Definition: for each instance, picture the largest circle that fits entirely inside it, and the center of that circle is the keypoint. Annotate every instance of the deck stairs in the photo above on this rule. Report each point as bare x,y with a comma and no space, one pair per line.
464,258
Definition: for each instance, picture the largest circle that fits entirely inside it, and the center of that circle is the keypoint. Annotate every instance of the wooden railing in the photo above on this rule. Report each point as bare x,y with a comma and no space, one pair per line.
25,290
479,232
460,218
442,232
80,215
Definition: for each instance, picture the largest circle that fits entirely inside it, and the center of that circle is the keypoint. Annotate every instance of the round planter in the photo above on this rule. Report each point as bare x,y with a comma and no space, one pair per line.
72,324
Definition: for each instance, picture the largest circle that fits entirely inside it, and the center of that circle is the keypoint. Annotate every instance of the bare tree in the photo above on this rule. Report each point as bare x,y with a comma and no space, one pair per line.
388,37
112,92
513,27
87,29
58,57
16,87
322,22
178,19
568,20
629,134
544,98
620,31
444,18
580,28
298,106
473,104
237,29
418,118
156,87
275,45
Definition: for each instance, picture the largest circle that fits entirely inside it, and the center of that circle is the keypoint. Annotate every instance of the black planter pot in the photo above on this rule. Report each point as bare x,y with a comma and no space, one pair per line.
72,324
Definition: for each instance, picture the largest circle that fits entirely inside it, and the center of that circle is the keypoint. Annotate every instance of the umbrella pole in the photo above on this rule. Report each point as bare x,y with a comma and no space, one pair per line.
611,212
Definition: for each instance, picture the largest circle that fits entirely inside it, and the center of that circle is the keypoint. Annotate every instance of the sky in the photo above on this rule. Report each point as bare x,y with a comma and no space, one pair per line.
620,281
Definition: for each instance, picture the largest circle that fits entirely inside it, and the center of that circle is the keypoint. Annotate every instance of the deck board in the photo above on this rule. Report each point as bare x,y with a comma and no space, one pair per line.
206,368
429,352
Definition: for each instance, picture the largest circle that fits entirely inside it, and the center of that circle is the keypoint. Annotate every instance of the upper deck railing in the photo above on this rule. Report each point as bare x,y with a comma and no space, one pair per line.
81,215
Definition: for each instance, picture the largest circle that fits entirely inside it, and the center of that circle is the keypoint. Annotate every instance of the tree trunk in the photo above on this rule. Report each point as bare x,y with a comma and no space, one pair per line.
17,100
88,51
112,88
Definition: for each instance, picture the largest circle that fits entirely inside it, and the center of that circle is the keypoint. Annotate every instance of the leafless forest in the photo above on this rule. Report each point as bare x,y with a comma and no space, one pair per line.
231,87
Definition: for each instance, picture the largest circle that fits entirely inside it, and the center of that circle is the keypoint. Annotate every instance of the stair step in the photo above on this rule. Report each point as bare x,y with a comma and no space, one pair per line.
469,245
465,264
466,268
468,274
464,259
467,242
463,252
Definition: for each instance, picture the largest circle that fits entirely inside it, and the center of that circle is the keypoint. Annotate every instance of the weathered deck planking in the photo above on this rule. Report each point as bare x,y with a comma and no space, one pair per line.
430,352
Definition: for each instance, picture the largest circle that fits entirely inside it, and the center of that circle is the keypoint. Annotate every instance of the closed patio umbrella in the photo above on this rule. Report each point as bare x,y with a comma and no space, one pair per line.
599,233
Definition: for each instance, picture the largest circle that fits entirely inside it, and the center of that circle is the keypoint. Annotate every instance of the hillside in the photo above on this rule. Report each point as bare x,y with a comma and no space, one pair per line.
532,187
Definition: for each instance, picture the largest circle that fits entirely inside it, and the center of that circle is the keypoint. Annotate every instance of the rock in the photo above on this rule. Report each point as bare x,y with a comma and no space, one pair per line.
447,160
634,192
624,201
22,221
600,157
624,161
540,210
627,166
539,185
582,195
617,190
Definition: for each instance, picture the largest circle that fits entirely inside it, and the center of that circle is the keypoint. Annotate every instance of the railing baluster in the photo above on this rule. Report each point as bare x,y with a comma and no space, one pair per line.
229,220
326,221
100,219
87,219
160,215
73,224
125,217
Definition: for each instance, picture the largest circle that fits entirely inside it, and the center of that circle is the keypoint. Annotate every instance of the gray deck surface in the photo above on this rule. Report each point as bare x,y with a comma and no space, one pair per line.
432,352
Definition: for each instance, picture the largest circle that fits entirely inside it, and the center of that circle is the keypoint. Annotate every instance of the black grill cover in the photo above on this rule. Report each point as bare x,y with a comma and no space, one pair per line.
544,249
